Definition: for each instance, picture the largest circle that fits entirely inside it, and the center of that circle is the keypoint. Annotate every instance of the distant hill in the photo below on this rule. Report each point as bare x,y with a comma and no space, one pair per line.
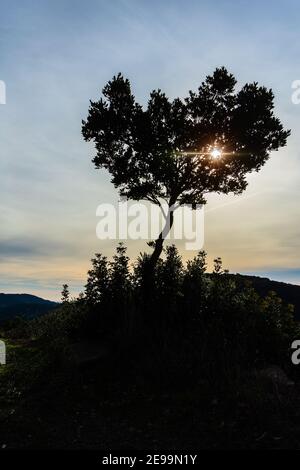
25,305
289,293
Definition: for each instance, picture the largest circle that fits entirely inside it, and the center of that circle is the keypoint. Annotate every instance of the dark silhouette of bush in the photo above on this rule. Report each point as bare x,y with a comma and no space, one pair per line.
192,324
202,340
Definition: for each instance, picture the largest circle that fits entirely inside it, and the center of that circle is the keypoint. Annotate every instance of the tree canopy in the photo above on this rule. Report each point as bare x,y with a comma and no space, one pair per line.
179,150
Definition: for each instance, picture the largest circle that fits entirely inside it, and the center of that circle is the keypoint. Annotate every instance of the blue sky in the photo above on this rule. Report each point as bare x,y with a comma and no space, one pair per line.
56,55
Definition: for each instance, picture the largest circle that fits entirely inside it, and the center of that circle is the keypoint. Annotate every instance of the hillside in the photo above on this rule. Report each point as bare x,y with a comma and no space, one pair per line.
289,293
25,305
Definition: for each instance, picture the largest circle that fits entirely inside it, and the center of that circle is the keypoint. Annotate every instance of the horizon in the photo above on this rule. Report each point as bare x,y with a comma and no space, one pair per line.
57,297
57,57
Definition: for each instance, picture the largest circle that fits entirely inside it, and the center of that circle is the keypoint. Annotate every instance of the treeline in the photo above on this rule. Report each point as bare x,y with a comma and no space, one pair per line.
180,321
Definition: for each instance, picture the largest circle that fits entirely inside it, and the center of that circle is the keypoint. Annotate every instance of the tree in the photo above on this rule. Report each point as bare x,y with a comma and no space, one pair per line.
98,279
120,275
170,277
178,151
65,294
120,286
195,284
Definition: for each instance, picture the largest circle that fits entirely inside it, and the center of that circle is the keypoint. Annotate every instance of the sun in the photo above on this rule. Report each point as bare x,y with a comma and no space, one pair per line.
216,154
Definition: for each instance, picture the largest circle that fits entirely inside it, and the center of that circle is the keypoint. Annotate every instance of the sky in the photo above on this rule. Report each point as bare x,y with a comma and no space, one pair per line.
57,55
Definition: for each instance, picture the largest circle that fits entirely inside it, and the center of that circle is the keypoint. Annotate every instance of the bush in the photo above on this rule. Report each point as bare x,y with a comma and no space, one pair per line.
189,323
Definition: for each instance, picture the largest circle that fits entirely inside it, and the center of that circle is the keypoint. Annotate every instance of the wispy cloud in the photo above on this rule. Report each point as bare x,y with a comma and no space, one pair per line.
57,55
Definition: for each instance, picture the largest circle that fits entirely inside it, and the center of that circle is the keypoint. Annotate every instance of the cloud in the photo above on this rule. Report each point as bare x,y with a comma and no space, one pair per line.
56,55
32,248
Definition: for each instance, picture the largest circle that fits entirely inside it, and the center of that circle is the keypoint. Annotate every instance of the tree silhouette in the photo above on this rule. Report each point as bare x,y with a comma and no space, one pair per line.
65,294
178,151
98,279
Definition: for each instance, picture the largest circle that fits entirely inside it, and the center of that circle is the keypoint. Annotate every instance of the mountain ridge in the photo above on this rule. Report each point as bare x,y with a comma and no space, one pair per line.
24,305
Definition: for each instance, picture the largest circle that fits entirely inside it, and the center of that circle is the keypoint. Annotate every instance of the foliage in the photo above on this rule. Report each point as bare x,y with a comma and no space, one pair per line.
164,151
205,323
146,150
191,322
199,339
65,293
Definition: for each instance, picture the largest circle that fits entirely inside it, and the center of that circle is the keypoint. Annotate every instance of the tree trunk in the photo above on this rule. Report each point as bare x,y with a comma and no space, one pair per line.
149,277
160,240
